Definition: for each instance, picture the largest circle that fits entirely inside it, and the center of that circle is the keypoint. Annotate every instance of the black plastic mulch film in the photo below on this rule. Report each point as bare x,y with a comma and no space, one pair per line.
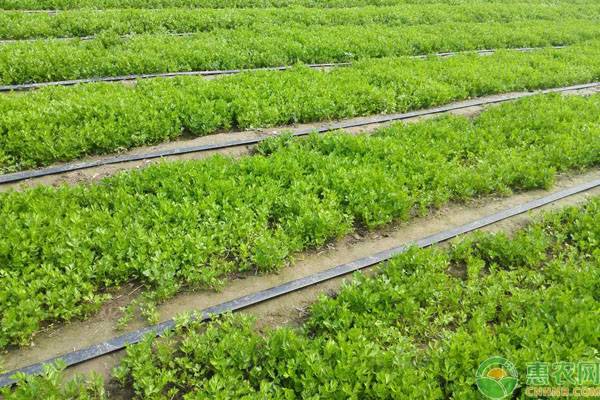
120,342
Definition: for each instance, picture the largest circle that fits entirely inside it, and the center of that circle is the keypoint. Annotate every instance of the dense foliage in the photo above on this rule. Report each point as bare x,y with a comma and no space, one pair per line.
45,126
419,329
18,25
102,4
271,45
192,223
416,331
53,386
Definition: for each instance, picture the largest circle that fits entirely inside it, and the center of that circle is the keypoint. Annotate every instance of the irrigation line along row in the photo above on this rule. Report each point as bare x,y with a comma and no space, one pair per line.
51,12
92,37
120,342
354,123
124,78
134,34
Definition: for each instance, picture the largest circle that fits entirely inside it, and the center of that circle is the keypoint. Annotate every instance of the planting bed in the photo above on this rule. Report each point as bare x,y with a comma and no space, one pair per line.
429,313
252,214
266,46
486,291
126,247
50,5
82,23
53,124
242,142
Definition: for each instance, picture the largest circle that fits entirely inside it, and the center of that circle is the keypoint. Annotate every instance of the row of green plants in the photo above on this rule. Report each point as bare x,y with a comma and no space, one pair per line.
418,329
108,4
271,45
186,225
76,23
65,123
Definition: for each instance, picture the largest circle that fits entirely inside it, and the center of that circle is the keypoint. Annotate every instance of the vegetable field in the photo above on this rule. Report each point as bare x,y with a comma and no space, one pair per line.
234,4
54,124
355,345
272,45
81,23
454,309
254,213
123,244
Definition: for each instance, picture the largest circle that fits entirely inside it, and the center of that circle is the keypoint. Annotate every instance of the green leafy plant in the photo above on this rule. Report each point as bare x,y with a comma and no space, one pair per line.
419,328
270,45
53,124
77,23
52,385
192,224
415,329
107,4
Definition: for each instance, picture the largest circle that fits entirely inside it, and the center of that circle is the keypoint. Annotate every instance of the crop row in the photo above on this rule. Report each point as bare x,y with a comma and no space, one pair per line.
108,4
190,224
269,46
418,329
66,123
17,25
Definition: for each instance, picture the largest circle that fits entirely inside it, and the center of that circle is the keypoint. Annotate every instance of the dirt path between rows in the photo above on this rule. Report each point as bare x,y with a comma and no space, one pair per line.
286,310
97,173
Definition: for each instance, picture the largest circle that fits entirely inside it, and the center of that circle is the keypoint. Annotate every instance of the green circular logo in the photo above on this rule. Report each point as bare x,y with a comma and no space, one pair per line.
497,378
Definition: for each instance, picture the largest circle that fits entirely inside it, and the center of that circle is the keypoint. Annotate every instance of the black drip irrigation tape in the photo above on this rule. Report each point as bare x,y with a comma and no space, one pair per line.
354,123
120,342
92,37
124,78
9,10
